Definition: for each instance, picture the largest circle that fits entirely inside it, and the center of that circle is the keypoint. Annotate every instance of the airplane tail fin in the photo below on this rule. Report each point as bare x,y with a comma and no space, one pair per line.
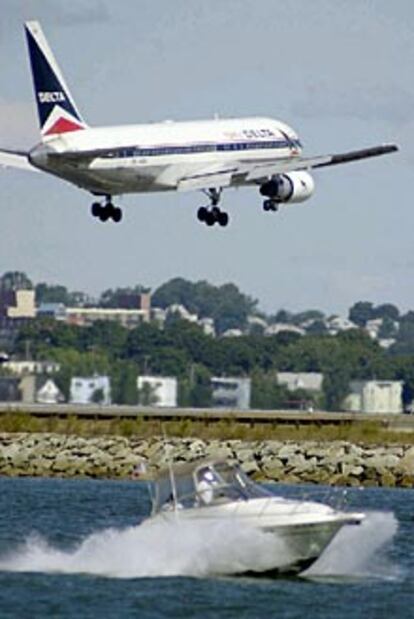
56,108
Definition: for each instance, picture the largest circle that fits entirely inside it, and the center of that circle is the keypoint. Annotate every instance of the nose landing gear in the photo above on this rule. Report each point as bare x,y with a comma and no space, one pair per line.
106,211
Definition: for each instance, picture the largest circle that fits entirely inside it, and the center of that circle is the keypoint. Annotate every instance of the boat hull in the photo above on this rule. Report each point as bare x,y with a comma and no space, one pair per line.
303,530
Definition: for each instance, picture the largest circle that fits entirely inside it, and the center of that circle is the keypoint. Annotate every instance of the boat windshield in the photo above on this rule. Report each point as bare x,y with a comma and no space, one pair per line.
202,485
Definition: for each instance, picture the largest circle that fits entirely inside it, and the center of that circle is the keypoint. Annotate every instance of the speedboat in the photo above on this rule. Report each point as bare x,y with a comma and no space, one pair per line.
214,491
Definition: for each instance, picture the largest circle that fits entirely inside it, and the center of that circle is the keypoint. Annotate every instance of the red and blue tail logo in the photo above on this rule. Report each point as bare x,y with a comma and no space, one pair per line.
56,108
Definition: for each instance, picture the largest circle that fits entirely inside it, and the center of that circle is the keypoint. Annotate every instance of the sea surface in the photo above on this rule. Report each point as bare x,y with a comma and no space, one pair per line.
77,548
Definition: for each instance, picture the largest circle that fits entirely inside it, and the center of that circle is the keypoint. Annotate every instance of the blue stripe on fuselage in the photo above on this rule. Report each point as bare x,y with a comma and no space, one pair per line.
151,151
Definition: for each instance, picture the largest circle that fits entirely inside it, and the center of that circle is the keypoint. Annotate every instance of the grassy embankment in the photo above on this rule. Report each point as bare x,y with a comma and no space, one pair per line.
363,432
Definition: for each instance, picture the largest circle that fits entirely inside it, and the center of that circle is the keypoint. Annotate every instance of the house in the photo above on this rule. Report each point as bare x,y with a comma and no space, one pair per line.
88,390
374,396
48,392
281,327
176,309
157,391
231,392
308,381
336,324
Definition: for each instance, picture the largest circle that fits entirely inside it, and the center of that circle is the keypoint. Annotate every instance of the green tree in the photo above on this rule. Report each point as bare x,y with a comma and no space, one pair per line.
361,312
387,311
266,393
12,280
388,329
147,395
225,304
46,293
98,396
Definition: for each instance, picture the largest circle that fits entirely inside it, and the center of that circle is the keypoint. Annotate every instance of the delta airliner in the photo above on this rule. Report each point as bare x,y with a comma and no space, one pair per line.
208,155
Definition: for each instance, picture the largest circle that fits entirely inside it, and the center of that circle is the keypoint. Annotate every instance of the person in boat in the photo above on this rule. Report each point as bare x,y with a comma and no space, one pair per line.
206,481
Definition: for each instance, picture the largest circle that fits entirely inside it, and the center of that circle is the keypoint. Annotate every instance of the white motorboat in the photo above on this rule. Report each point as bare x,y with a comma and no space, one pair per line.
214,491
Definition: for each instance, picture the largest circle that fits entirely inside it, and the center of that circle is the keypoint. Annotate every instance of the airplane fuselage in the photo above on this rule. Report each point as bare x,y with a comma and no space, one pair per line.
156,157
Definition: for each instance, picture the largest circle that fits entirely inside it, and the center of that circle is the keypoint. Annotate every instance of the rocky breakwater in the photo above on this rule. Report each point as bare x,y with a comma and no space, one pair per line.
334,463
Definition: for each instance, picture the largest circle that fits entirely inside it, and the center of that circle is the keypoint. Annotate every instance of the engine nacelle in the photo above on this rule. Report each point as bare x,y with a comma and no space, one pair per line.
290,187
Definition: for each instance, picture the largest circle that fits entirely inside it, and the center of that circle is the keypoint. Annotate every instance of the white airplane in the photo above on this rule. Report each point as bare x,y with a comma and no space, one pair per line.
207,155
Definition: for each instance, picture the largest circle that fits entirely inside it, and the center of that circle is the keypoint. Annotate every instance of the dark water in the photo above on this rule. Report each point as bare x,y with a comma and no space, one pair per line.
71,548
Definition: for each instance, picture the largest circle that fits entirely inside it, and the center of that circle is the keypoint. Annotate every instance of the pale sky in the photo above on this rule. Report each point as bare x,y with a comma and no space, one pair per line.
340,72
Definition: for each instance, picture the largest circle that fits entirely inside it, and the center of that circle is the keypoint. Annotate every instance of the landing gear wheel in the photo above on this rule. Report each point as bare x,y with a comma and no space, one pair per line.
116,214
210,218
270,205
96,209
223,219
105,213
202,213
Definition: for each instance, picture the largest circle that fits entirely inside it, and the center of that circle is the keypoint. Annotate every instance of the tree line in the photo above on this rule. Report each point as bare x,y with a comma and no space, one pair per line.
181,349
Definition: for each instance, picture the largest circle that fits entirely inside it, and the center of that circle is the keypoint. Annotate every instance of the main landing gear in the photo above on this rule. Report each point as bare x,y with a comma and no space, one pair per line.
213,215
106,211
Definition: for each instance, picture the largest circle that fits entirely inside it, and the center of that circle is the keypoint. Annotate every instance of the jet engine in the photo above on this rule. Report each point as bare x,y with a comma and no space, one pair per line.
291,187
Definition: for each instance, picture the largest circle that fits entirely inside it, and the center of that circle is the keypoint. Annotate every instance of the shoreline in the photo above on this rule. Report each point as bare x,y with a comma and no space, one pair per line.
336,463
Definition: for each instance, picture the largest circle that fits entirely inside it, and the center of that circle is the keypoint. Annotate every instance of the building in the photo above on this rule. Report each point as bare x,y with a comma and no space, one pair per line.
31,367
374,396
90,390
231,393
17,304
281,327
157,391
57,311
48,392
337,324
86,316
308,381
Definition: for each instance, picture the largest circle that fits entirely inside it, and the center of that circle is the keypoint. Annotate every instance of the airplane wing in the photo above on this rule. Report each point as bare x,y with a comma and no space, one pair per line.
16,159
256,173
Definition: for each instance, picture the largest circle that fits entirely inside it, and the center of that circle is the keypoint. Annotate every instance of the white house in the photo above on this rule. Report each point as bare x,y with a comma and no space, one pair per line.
49,393
374,396
231,392
281,327
88,390
157,391
310,381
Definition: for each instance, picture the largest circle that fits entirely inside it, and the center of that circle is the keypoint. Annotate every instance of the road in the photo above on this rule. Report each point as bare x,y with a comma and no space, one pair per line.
295,417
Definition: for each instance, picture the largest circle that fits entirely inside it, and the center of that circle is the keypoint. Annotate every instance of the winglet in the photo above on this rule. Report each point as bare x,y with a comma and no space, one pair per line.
56,108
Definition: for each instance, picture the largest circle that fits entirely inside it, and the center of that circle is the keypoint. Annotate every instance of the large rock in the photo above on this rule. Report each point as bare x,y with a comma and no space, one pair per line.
406,463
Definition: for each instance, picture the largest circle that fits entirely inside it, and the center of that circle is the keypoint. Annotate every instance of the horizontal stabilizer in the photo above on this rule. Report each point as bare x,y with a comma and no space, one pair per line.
16,159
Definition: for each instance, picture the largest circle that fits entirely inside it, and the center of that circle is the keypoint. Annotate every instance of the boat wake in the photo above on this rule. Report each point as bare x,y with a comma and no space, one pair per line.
202,549
359,552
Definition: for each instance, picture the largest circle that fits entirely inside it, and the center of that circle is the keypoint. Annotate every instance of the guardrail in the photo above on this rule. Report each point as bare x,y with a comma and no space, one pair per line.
211,415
